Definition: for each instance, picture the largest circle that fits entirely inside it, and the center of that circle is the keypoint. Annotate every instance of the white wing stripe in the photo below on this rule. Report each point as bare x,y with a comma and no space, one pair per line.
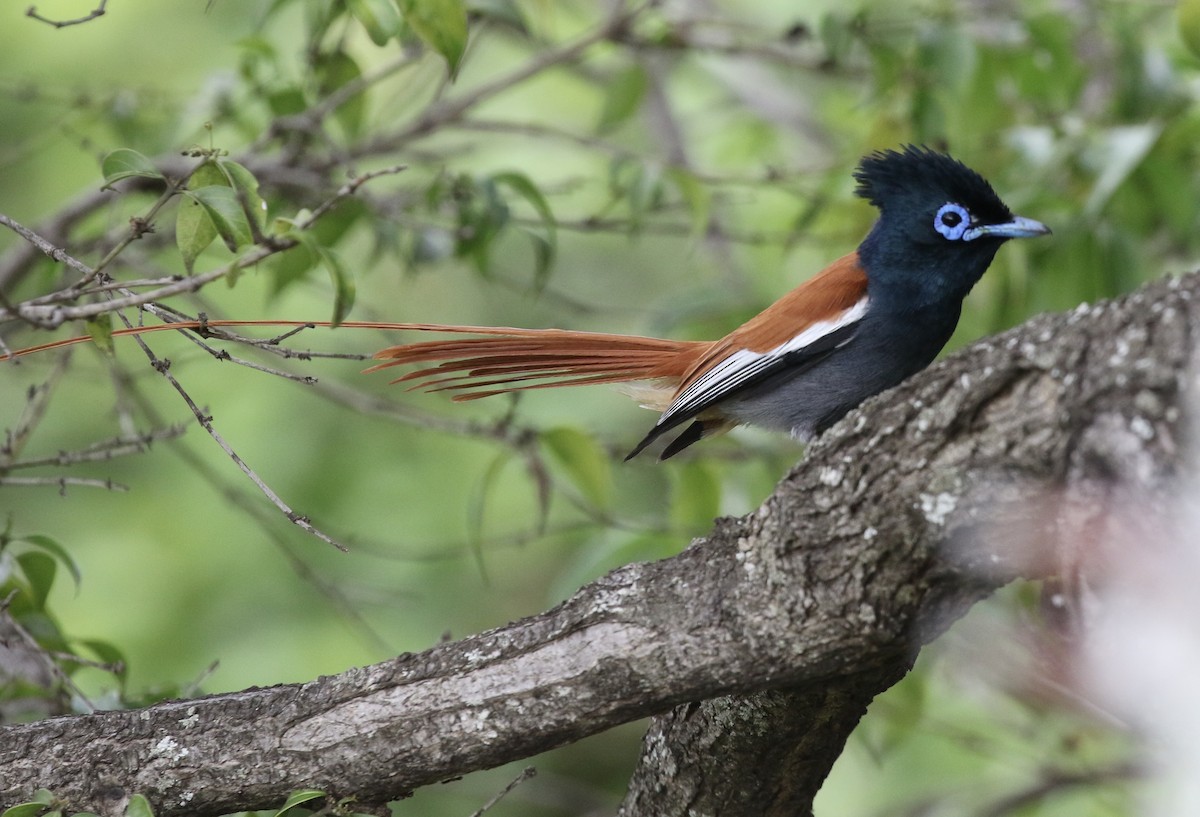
744,364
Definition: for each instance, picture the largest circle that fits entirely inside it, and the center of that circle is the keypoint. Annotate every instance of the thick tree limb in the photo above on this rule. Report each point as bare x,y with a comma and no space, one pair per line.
898,520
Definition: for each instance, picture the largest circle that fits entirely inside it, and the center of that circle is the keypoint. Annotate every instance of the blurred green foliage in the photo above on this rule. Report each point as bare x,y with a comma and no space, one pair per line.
672,174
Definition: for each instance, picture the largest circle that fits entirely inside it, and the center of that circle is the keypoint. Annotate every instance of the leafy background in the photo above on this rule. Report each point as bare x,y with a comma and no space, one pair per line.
677,177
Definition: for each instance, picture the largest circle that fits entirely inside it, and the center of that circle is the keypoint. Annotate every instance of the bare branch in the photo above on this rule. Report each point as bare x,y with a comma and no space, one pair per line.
163,367
61,483
900,518
104,450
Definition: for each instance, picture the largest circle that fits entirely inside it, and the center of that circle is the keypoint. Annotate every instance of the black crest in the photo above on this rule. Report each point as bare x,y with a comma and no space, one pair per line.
918,176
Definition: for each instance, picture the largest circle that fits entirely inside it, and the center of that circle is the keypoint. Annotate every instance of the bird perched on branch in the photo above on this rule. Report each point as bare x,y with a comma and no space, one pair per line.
863,324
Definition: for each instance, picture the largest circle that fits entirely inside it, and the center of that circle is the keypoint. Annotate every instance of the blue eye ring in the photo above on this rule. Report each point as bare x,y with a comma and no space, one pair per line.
952,221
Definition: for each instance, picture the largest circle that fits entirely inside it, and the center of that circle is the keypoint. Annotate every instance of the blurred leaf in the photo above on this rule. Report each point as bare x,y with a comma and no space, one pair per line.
442,24
108,654
585,462
194,229
505,12
286,101
57,551
477,512
138,806
837,33
124,163
637,183
379,17
343,284
100,330
623,96
335,70
298,797
482,214
544,246
597,554
906,702
695,496
695,195
431,244
947,58
31,809
221,205
1189,25
1121,151
39,570
928,119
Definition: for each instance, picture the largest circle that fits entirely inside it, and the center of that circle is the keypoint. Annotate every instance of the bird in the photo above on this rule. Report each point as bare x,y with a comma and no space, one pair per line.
866,322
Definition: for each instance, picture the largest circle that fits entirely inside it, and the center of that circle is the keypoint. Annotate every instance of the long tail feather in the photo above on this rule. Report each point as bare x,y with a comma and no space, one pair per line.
521,359
506,360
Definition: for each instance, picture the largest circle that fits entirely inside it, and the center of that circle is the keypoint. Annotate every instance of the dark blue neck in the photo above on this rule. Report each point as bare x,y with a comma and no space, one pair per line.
907,276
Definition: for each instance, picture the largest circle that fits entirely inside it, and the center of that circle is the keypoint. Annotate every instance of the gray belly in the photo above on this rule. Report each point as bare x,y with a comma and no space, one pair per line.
805,402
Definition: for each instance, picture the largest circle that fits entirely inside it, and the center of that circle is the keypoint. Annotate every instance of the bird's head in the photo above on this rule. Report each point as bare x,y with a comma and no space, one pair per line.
939,227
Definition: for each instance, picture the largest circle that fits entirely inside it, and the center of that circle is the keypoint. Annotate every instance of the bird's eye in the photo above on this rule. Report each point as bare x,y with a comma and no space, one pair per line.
952,220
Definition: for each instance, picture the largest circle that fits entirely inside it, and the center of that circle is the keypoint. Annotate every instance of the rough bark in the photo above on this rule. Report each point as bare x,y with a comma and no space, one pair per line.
898,520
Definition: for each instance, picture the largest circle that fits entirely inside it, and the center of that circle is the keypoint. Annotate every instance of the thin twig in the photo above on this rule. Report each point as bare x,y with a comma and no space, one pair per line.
526,773
57,253
264,518
36,402
98,11
105,450
61,483
163,367
52,316
224,355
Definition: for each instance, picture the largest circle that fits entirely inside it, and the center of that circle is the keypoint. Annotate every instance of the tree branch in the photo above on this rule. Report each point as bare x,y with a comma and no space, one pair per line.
899,519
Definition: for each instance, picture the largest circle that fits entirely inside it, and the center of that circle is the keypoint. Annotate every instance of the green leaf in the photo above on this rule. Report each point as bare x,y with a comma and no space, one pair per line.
57,551
638,183
286,101
905,705
343,284
586,464
194,229
695,496
246,186
298,797
477,510
334,70
1189,24
44,796
31,809
222,206
504,12
138,806
378,17
1122,149
39,570
124,163
695,195
442,24
545,246
482,214
107,654
100,329
623,96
